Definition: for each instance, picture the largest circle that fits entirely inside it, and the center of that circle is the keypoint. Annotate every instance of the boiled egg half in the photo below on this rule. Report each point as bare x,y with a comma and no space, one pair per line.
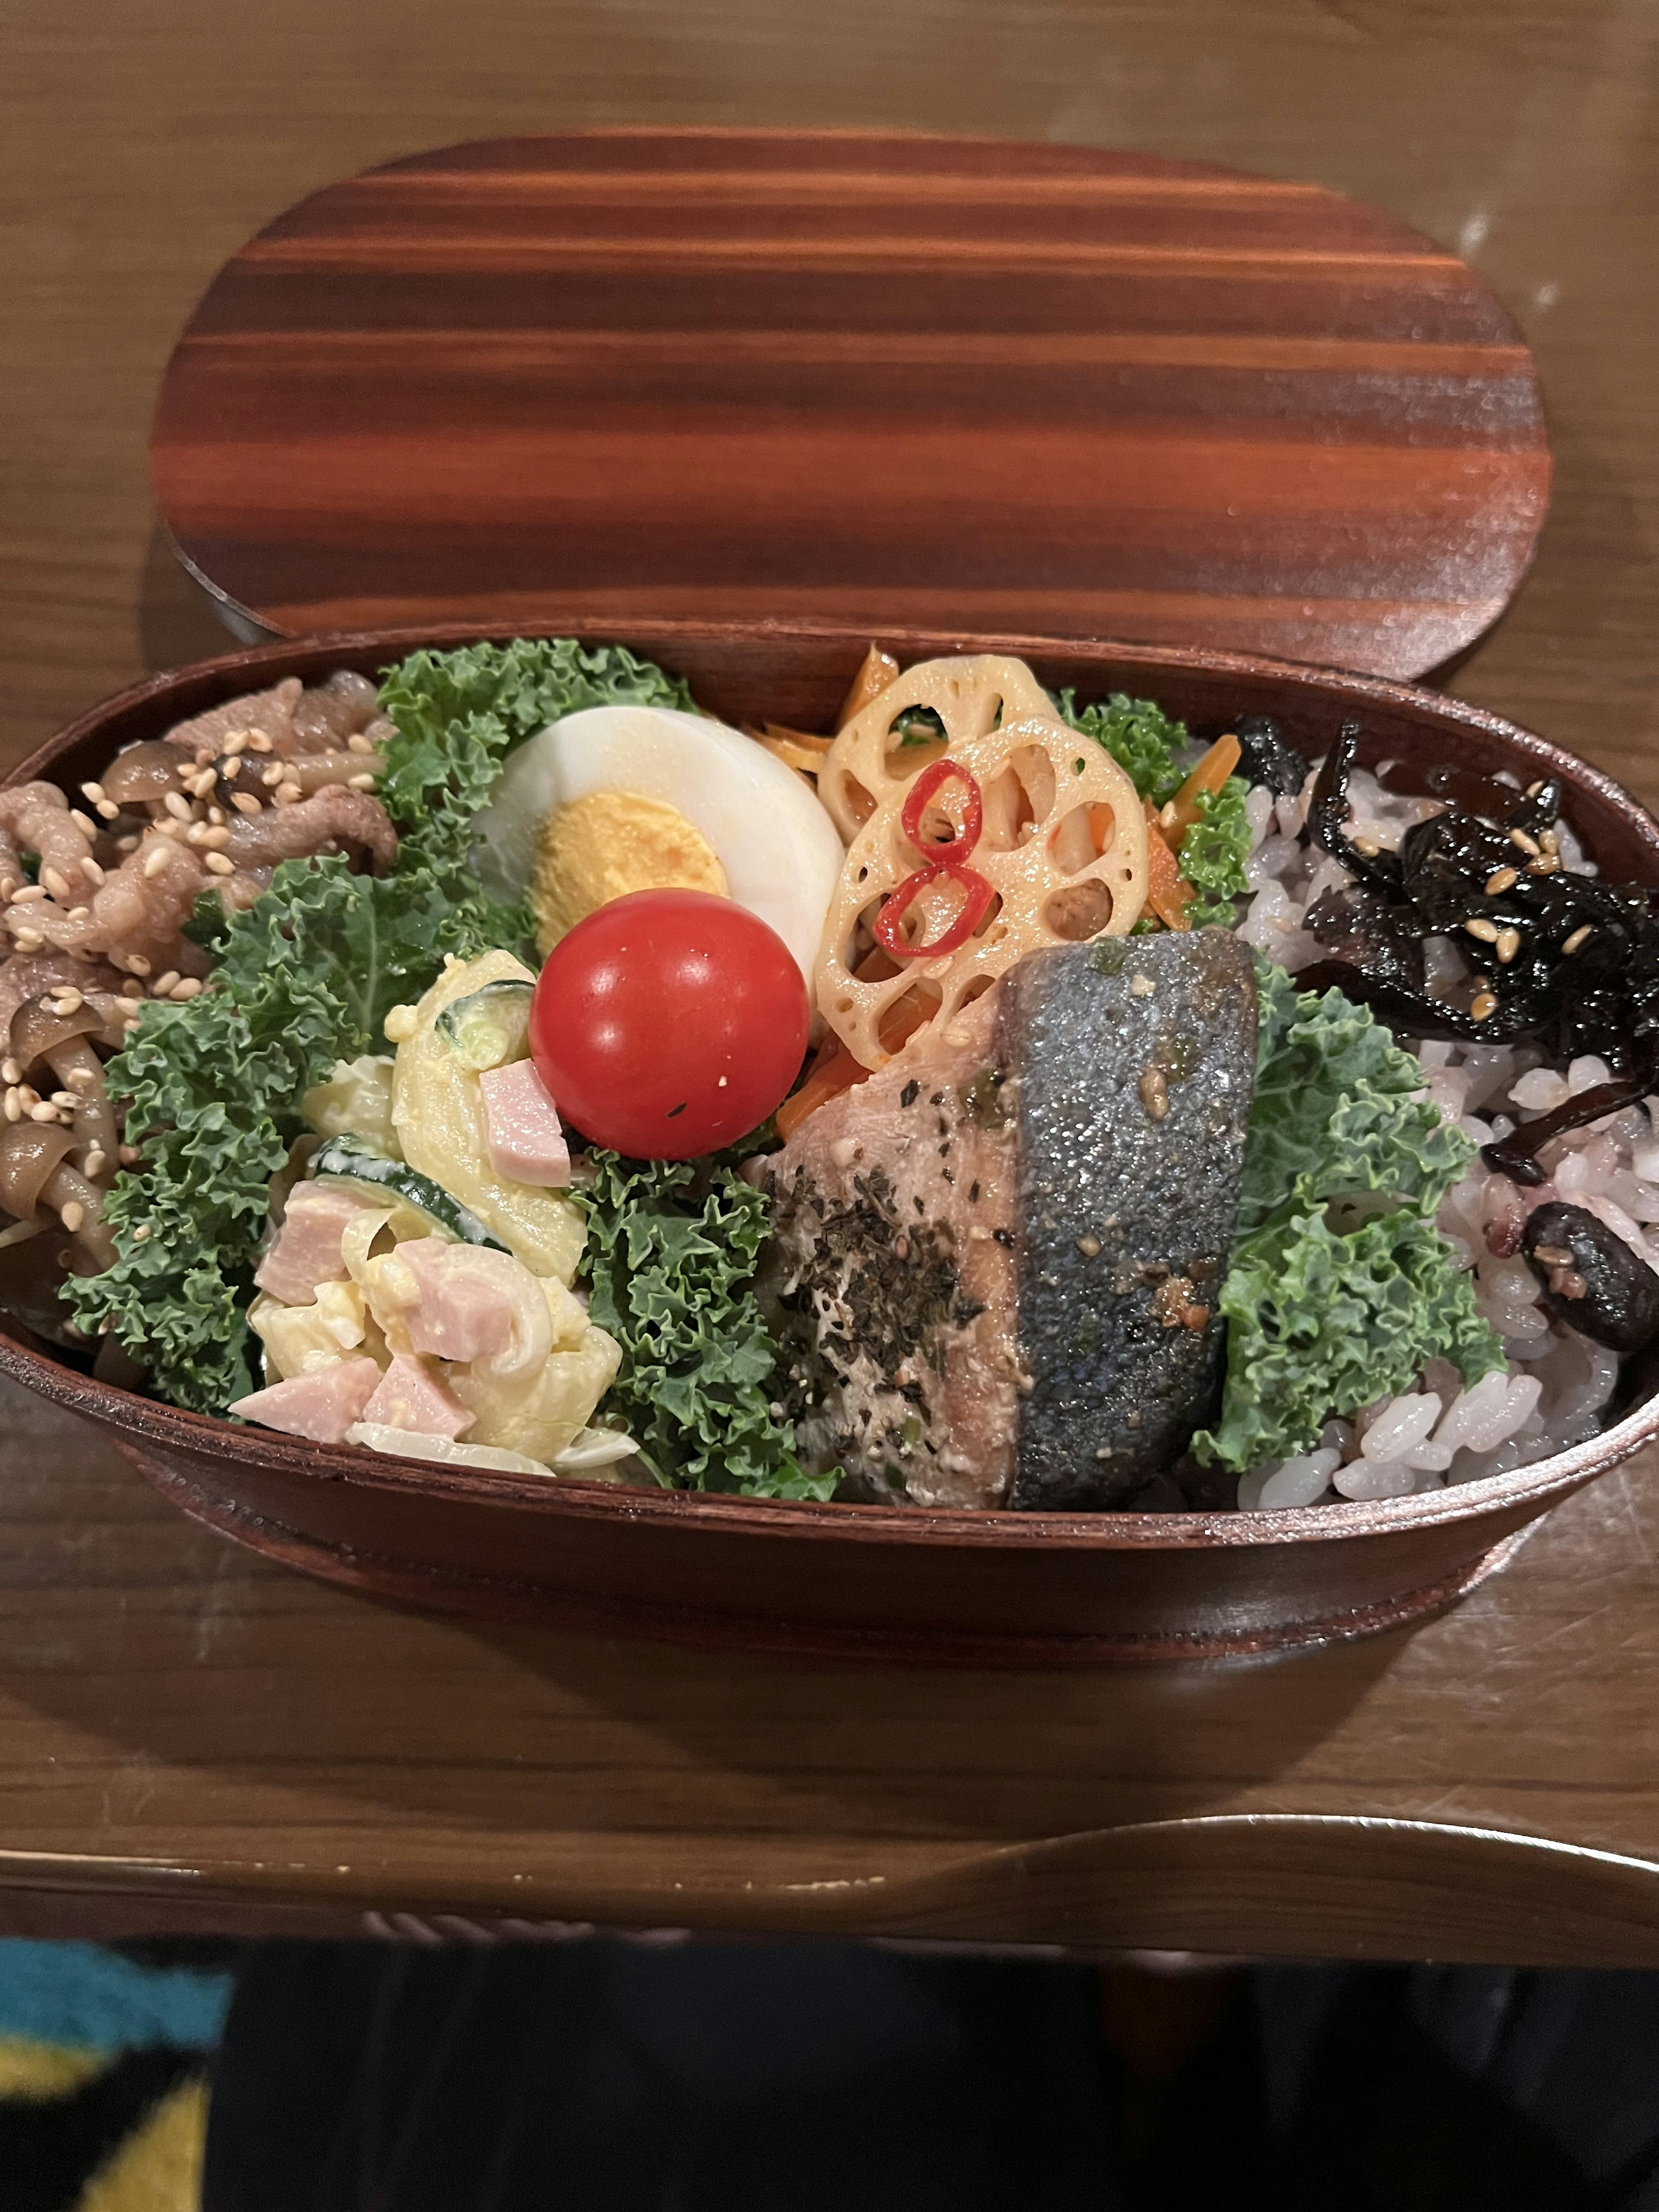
629,799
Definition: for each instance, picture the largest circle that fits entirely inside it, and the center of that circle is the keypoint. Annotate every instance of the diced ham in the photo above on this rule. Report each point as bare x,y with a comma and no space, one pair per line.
464,1313
307,1251
522,1130
319,1407
410,1397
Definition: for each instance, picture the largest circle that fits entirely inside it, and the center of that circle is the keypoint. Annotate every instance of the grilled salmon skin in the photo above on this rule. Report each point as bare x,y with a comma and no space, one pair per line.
996,1265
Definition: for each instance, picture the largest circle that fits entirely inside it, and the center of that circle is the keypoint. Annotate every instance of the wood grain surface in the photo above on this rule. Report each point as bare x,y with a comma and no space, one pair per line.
190,1737
892,381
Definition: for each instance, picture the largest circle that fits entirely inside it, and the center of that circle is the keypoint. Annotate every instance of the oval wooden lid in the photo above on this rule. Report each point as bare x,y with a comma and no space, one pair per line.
883,380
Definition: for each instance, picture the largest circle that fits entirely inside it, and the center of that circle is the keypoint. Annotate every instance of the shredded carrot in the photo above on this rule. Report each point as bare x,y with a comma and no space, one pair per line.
875,672
835,1070
1211,772
1168,892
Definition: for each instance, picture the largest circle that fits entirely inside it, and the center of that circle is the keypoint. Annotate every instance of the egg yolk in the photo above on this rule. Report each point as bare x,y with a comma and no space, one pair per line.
606,844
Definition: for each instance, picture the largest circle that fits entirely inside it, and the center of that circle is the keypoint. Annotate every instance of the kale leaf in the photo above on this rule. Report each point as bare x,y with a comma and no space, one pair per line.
1139,736
1147,745
671,1257
1340,1287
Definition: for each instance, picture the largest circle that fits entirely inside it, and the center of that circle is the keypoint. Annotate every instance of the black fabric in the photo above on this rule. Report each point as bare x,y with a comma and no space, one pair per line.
613,2077
51,2149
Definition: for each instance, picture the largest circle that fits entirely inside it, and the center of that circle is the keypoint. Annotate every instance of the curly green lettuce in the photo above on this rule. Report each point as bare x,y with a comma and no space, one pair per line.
1340,1287
305,977
1147,744
670,1262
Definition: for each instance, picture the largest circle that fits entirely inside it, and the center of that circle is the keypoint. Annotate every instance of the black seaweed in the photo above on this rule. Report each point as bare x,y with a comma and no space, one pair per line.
1266,756
1602,997
1603,1290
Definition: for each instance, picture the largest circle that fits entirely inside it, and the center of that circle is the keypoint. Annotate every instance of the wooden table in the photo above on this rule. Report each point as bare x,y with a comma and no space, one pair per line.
190,1738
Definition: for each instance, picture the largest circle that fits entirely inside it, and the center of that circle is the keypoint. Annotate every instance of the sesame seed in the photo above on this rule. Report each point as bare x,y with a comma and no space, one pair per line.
1486,931
90,867
220,865
84,823
94,792
1533,789
14,1104
56,882
154,860
215,837
140,1234
360,783
1500,879
128,1156
286,793
138,964
177,808
28,940
66,1100
10,1072
274,775
189,987
28,1095
196,832
44,1112
1509,943
235,743
73,1215
1483,1005
1571,943
80,1079
27,894
257,742
163,984
79,913
216,815
127,844
357,742
107,810
1368,846
70,1001
95,1163
245,802
1529,845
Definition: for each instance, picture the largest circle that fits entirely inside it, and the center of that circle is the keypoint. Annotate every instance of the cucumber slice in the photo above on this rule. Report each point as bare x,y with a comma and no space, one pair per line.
489,1026
342,1160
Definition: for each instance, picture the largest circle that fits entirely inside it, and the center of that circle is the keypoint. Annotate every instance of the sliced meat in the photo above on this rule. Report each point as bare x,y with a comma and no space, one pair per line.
464,1309
271,712
307,1250
996,1264
412,1396
522,1130
319,1407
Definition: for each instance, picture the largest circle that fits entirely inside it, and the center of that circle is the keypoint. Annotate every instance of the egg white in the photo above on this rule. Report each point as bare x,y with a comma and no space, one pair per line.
781,854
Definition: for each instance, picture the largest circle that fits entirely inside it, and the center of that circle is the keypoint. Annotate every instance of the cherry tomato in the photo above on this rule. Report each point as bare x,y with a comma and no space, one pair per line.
669,1023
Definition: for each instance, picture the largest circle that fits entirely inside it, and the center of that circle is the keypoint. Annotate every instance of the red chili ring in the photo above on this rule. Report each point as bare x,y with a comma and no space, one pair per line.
977,896
973,816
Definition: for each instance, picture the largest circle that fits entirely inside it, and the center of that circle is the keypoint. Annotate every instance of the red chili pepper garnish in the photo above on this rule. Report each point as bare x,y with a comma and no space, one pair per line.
977,895
961,843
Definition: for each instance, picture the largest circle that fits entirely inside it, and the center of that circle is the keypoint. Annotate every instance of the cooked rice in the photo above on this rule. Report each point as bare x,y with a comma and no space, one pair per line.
1558,1384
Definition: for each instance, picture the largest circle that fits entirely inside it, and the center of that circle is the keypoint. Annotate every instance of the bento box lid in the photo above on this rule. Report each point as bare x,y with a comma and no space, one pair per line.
886,380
